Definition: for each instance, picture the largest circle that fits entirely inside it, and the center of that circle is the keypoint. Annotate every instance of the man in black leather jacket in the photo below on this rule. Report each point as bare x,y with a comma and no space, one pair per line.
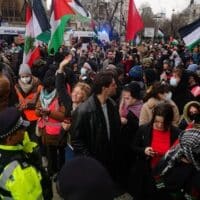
96,124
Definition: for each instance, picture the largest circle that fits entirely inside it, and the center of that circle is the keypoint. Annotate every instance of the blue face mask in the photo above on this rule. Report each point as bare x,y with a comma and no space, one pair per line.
173,82
83,71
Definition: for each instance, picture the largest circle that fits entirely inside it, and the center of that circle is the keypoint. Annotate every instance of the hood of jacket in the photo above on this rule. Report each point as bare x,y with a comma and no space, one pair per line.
185,110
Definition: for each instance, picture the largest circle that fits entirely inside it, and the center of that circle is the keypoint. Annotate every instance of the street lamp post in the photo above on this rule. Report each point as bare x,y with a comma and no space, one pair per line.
172,23
157,24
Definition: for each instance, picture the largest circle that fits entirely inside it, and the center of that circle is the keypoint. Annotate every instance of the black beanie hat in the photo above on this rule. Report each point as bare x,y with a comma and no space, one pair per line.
49,78
84,178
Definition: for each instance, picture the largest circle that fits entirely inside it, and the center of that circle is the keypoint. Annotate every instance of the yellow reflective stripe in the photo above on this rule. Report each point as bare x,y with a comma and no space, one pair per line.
7,198
7,172
10,148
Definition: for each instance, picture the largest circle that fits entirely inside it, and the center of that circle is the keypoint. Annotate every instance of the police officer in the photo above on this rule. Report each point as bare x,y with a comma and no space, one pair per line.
20,178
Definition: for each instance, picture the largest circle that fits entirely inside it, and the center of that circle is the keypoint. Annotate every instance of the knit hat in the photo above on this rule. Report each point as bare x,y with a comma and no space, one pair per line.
84,178
193,67
24,69
10,121
136,73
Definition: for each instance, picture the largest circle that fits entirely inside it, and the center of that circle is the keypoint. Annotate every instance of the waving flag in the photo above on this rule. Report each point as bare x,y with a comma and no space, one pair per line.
135,23
62,11
191,34
37,29
160,33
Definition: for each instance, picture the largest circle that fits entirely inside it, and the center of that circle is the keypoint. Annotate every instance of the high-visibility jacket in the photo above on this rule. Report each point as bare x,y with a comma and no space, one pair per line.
51,126
29,113
18,179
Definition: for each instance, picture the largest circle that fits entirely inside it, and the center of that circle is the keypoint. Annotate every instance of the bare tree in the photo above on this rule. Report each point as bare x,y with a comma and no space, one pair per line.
104,13
147,15
171,26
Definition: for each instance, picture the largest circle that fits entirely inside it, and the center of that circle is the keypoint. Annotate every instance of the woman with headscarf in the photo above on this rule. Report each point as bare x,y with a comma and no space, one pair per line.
51,113
191,116
177,174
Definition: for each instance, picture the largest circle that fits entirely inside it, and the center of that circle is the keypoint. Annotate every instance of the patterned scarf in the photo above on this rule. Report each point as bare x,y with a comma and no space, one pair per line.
189,145
46,98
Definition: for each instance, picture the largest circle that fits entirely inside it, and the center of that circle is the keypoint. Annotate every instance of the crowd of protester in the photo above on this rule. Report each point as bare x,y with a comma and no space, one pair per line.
125,110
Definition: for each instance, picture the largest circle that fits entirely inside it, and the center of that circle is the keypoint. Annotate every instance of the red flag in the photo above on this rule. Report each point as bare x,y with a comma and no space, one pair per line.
135,23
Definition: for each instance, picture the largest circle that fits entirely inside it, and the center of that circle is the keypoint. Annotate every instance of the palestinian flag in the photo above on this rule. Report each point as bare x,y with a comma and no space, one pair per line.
160,33
62,12
81,13
191,34
37,31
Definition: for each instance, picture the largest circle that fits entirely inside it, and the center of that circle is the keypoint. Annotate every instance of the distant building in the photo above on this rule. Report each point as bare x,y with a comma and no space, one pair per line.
192,12
12,12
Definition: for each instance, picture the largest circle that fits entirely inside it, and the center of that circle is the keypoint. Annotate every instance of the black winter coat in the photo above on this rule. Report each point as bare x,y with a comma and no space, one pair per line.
62,93
89,133
141,179
126,154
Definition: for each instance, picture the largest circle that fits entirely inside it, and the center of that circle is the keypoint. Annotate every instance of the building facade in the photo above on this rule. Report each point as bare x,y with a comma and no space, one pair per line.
192,12
12,12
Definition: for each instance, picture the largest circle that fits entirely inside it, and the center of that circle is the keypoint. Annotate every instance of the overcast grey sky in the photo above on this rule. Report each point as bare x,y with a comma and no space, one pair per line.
162,5
165,5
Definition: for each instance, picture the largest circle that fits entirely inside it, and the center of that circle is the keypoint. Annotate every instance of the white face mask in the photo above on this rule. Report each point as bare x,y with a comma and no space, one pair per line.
168,96
26,80
173,82
83,71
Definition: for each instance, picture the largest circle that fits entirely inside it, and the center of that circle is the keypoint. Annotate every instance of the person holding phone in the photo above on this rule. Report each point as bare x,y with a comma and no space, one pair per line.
152,141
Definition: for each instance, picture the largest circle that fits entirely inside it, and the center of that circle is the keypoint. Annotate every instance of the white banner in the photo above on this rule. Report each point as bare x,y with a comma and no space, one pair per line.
149,32
4,30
